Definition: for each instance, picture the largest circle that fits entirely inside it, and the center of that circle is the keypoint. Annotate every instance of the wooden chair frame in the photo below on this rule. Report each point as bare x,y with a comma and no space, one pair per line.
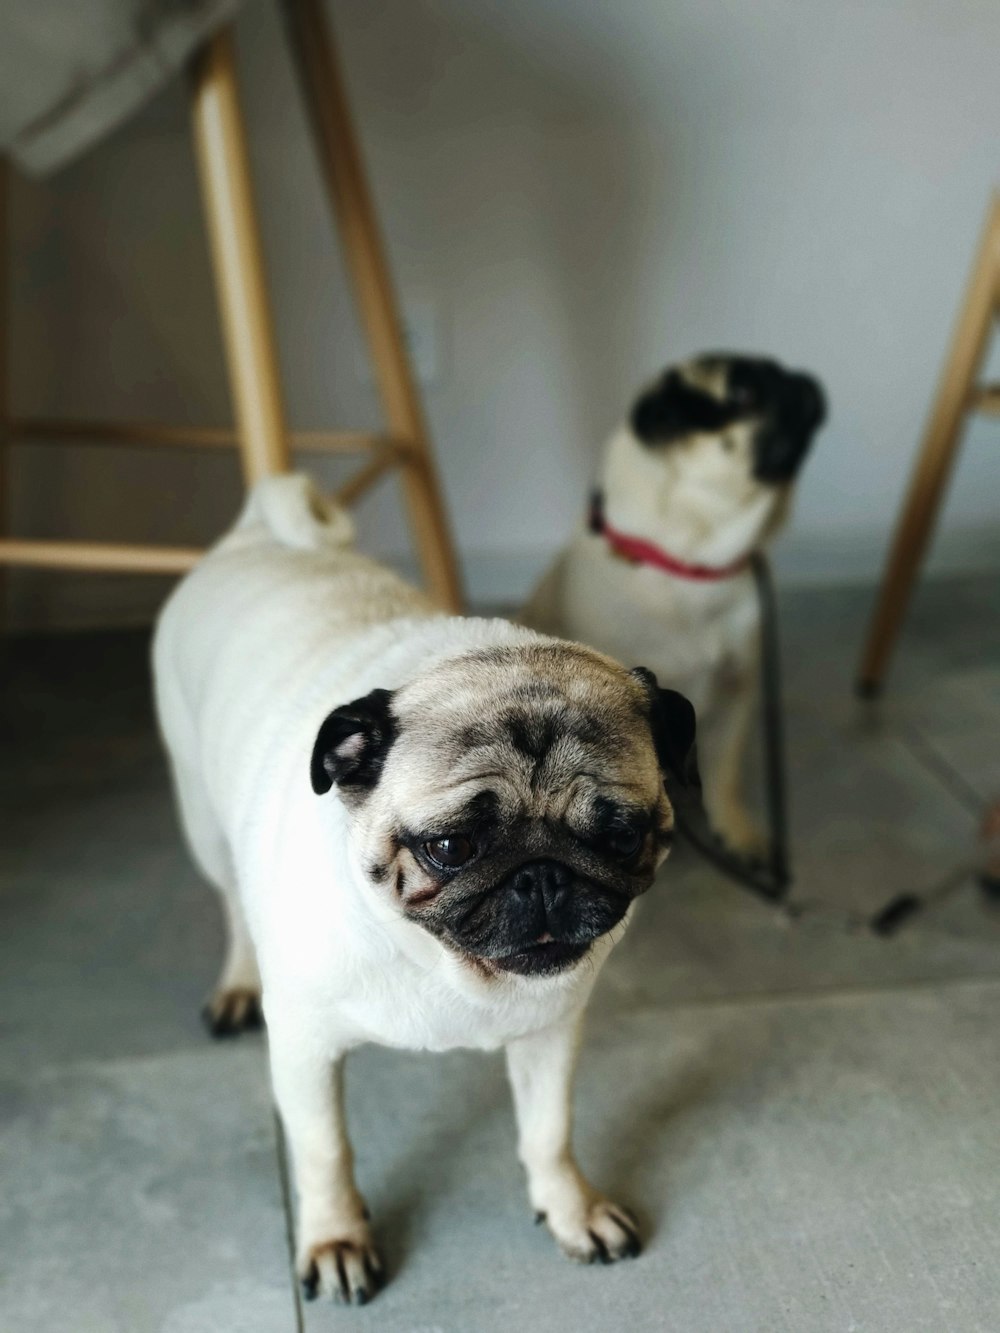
260,434
958,394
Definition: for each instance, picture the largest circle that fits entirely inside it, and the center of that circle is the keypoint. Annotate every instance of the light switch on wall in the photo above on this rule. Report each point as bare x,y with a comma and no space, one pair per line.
422,332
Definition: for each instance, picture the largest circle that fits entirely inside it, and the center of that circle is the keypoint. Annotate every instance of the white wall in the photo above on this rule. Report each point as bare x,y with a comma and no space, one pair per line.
581,191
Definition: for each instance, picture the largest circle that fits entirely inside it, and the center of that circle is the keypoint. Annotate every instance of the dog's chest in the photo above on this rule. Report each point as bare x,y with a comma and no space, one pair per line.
330,949
425,1016
693,635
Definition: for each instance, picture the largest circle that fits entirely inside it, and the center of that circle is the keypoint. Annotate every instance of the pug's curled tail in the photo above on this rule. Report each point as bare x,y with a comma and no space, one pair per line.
296,515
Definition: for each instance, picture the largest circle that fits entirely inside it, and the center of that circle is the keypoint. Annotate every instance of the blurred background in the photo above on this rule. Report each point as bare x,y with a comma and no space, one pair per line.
573,194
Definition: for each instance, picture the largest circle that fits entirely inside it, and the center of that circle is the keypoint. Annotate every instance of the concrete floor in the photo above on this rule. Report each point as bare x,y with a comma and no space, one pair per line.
803,1116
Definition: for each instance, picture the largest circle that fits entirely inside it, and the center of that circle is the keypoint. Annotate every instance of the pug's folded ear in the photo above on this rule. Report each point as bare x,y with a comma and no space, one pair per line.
353,743
672,408
672,722
658,413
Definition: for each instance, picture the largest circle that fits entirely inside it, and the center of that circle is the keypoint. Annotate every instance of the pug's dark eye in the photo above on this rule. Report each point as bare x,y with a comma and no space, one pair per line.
623,842
742,396
449,853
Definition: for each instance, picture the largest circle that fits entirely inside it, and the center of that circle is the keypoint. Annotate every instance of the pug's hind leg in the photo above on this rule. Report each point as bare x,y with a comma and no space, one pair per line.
587,1226
235,1005
335,1254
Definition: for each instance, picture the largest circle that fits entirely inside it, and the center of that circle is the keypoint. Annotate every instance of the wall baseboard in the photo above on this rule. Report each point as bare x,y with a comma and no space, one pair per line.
848,556
42,602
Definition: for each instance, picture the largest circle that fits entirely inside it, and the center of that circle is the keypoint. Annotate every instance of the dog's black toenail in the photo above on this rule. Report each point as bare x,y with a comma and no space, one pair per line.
600,1249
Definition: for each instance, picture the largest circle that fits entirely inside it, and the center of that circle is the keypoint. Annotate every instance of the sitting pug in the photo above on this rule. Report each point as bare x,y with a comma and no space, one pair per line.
427,831
694,483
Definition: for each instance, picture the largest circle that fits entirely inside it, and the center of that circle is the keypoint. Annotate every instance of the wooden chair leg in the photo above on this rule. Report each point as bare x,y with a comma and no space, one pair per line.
937,454
340,156
4,374
248,330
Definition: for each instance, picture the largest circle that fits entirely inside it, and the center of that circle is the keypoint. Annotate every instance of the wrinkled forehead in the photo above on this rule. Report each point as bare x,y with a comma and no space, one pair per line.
542,728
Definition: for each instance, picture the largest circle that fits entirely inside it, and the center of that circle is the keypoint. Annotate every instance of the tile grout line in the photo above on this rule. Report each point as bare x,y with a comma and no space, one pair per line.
286,1202
938,766
745,999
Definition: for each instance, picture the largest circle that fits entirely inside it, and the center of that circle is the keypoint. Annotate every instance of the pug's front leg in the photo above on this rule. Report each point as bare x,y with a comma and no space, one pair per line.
722,755
335,1253
586,1224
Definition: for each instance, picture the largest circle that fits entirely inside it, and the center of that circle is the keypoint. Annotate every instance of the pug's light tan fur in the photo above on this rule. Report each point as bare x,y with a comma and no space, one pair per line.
332,738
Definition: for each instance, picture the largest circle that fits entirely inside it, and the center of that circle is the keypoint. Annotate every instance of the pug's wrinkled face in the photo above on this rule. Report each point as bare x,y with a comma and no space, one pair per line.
737,420
511,802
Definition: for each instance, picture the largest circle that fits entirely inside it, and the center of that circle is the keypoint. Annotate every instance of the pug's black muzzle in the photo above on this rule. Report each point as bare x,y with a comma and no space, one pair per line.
540,919
786,433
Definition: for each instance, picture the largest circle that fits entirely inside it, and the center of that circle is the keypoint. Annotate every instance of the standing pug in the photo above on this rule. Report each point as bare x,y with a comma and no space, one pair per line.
696,481
428,832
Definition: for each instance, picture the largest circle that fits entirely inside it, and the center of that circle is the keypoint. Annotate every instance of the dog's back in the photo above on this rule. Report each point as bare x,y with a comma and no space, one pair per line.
288,547
256,620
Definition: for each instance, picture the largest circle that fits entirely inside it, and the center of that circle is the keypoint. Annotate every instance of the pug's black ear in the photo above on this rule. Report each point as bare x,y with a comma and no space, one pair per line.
672,721
658,414
672,408
352,744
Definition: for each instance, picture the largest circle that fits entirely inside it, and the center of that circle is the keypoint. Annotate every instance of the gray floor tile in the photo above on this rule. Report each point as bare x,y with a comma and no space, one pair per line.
868,823
109,941
952,624
141,1196
811,1150
801,1166
944,677
957,718
695,941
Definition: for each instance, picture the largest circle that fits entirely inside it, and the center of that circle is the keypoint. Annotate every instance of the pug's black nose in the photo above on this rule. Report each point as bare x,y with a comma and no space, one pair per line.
545,882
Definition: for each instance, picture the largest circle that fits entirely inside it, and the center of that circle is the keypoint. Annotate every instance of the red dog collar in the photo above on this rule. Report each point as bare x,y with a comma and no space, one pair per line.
641,552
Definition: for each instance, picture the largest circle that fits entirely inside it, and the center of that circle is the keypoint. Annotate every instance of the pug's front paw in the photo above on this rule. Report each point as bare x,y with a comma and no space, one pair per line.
595,1230
346,1268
